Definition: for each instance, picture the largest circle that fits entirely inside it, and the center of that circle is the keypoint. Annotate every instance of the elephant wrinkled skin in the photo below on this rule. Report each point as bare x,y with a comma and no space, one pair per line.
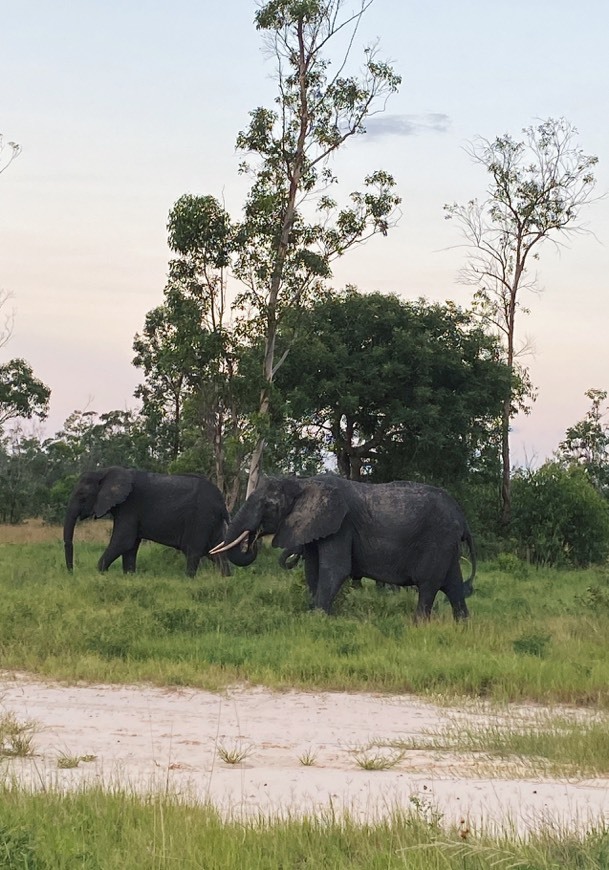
402,533
183,511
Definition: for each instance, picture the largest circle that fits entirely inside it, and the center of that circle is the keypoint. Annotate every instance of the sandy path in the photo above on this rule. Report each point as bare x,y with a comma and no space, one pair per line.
147,738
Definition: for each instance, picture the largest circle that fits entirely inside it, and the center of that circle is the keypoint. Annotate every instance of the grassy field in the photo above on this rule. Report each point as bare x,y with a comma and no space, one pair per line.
117,831
534,636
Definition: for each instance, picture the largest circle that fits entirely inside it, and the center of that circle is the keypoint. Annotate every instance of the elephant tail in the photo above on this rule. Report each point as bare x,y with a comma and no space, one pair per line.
468,585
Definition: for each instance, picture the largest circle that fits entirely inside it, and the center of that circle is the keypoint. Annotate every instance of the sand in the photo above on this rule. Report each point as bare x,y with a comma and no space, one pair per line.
152,739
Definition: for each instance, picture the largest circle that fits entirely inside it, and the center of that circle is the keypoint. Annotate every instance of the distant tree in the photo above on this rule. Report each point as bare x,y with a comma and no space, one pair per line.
537,190
23,483
91,440
8,152
396,389
21,394
292,228
587,443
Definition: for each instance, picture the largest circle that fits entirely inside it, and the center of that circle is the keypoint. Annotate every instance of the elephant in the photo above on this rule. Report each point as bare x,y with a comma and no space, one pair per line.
403,533
184,511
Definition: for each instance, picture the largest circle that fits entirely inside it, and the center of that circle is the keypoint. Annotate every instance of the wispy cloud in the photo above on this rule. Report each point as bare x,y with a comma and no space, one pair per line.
406,125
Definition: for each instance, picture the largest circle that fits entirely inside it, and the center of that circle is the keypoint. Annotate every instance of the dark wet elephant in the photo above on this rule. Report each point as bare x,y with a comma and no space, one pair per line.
403,533
183,511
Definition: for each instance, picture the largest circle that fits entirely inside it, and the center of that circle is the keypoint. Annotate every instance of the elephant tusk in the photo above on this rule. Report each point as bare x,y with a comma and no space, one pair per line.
222,547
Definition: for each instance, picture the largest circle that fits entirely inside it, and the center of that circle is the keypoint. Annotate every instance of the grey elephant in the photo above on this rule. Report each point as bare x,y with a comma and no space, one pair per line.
403,533
183,511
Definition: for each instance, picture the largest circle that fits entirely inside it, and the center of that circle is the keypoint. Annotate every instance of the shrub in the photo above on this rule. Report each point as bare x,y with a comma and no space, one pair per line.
532,644
558,517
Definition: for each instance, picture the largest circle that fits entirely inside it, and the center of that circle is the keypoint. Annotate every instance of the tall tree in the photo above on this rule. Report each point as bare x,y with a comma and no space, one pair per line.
537,189
191,351
292,228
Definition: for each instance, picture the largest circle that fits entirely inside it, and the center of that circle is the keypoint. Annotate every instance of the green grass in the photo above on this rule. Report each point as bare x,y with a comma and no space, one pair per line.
534,635
118,830
541,744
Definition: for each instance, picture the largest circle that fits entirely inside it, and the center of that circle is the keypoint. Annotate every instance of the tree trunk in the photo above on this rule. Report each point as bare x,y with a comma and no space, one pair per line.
506,482
506,413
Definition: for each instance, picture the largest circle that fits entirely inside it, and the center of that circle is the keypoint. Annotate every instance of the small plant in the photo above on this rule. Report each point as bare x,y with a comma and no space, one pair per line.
426,810
16,737
308,758
532,644
234,754
375,759
509,563
66,762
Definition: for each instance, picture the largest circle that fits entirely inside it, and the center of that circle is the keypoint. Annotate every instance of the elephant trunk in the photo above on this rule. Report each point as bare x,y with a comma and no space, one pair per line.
242,559
241,537
68,535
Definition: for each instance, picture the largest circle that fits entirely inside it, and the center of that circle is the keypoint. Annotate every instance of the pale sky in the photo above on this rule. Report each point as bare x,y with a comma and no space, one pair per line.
122,107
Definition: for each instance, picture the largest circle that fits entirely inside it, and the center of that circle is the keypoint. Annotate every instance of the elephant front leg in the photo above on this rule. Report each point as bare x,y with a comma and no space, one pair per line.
130,558
192,562
334,568
110,554
311,562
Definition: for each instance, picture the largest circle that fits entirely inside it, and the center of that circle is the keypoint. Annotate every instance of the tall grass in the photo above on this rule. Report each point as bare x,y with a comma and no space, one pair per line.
93,829
533,635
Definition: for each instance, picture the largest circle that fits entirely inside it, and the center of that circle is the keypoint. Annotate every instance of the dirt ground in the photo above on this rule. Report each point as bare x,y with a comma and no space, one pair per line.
149,739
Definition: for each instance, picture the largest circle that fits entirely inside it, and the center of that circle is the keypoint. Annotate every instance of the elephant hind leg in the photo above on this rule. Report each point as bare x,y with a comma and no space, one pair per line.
130,558
454,589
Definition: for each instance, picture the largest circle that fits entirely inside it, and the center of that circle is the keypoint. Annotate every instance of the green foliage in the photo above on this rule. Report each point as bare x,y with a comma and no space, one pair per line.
509,563
24,478
396,389
533,644
558,517
18,848
21,394
199,384
587,443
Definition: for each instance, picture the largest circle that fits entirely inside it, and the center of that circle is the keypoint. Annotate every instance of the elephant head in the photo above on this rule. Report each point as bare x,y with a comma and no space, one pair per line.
95,493
296,512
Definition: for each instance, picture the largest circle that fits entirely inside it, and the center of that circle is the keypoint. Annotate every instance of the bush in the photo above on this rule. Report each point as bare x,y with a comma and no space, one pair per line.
558,518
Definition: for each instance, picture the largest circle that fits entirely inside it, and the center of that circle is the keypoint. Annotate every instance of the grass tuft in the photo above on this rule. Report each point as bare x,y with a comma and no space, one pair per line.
236,753
16,738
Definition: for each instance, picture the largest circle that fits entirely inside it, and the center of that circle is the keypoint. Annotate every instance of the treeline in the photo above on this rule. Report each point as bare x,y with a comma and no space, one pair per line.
376,387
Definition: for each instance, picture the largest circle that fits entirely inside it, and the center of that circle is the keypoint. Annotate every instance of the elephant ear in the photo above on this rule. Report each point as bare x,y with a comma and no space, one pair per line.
114,488
317,513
